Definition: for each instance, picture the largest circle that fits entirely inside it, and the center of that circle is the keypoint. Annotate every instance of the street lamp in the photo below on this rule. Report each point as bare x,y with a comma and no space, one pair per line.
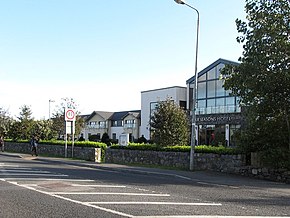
194,104
49,101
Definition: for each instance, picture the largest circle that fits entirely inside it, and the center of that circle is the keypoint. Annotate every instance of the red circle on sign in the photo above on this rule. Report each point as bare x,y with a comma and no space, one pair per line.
70,114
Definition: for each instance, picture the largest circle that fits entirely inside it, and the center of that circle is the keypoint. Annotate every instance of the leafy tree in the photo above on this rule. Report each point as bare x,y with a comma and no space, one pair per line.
262,80
169,124
23,127
42,129
5,122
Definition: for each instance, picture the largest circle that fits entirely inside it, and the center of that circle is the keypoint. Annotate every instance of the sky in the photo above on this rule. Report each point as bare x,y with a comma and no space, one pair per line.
104,53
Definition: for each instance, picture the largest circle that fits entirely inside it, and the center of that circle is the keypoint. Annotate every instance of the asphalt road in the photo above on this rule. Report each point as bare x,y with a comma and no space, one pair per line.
51,187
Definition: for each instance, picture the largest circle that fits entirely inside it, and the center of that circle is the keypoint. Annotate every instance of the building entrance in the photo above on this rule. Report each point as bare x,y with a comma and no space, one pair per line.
211,135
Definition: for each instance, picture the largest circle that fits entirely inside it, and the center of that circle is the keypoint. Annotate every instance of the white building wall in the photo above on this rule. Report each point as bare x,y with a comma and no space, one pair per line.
176,93
118,130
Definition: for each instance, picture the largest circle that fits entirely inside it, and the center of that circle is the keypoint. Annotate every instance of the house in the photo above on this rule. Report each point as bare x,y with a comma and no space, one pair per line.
97,123
112,123
125,122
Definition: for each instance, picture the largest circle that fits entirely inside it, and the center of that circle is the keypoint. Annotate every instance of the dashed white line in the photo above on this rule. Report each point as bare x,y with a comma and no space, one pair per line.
208,216
109,193
159,203
31,174
102,186
43,179
25,171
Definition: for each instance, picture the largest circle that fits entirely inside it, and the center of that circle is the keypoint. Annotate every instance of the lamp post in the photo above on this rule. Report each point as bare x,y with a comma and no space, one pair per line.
49,101
194,103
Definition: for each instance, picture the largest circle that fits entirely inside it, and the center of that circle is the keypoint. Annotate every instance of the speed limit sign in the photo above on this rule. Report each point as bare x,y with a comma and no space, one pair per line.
69,115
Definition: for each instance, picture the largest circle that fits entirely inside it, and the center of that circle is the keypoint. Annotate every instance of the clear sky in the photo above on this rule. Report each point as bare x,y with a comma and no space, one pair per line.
103,53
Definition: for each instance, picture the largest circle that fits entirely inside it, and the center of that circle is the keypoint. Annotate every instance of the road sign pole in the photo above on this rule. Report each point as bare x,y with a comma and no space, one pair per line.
73,139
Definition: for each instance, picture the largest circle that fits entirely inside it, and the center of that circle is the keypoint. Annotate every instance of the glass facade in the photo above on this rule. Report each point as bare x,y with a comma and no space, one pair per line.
212,97
217,111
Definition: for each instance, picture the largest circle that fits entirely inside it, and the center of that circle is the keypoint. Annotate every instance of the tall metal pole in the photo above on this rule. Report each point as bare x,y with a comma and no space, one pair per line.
49,101
194,103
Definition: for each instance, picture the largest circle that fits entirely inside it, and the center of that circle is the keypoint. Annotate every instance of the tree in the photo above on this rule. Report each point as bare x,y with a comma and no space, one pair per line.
42,129
25,122
262,80
5,122
106,139
169,124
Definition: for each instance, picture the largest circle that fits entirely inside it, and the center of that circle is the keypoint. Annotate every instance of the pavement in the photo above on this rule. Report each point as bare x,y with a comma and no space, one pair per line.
111,166
193,176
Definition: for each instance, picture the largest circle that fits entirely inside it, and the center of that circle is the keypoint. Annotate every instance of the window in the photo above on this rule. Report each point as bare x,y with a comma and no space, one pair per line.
114,136
130,123
201,90
182,104
102,124
211,89
230,103
114,123
220,91
201,106
202,78
201,103
220,102
219,68
211,74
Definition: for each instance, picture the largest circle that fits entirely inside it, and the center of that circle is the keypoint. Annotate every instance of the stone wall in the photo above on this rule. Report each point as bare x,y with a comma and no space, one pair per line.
84,153
235,164
215,162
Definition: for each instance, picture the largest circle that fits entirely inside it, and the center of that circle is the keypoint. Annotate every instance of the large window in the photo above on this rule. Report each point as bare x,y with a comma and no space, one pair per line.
211,89
211,95
211,74
201,90
220,91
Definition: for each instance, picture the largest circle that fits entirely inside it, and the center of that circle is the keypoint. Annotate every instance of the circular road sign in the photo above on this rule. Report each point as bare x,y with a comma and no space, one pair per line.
70,115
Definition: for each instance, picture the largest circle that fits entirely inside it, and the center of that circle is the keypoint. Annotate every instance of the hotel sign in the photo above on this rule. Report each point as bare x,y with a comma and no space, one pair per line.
213,119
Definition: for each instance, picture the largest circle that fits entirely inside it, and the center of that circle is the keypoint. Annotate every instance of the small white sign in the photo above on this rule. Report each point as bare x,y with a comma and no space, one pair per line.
70,127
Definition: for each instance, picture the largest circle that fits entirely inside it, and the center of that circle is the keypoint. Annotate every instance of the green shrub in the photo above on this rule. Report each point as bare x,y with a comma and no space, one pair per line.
276,158
179,148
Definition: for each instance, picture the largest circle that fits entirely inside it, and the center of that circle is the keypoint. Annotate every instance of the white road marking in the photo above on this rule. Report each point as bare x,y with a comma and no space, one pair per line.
8,165
42,179
219,185
75,201
102,186
109,193
159,203
208,216
26,171
31,174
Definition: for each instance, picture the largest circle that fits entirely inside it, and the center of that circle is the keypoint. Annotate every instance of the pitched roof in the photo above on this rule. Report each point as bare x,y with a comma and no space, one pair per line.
120,115
104,114
214,64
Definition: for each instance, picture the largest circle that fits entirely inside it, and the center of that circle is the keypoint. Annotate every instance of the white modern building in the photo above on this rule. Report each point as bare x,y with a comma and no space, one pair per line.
218,114
149,100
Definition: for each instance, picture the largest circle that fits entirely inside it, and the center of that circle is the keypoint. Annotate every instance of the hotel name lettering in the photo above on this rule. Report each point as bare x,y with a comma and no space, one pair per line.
219,119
